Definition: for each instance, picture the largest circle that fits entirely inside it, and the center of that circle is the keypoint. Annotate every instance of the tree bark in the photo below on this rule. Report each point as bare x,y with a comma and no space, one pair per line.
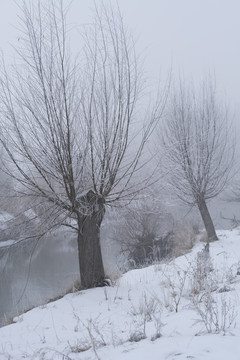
89,248
207,220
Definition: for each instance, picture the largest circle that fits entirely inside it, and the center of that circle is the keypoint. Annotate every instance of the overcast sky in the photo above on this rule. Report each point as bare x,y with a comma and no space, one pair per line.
191,36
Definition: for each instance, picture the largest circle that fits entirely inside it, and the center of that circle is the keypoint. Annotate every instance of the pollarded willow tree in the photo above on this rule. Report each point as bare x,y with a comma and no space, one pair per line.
71,130
198,147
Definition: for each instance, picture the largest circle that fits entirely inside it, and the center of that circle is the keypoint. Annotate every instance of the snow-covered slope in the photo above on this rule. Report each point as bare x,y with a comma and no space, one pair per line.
137,318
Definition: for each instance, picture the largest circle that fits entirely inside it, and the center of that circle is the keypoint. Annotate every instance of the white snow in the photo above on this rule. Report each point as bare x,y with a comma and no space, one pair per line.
7,243
99,323
4,219
30,214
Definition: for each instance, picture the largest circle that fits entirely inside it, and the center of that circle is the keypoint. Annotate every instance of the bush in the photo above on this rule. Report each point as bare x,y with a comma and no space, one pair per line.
144,232
209,298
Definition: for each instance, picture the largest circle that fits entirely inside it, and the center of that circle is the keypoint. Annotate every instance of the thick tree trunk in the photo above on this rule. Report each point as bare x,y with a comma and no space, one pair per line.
207,220
89,249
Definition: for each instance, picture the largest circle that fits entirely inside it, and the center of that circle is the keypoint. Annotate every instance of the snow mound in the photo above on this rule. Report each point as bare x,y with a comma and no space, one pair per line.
185,309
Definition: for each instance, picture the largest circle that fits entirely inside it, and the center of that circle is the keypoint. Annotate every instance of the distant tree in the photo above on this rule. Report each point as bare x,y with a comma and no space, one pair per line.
72,131
198,147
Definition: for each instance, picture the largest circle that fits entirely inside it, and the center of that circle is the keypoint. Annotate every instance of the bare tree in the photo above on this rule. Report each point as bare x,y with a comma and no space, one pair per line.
71,130
197,144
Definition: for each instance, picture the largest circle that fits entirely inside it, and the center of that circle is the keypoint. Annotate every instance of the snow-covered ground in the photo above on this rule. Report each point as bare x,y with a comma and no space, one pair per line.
137,318
6,243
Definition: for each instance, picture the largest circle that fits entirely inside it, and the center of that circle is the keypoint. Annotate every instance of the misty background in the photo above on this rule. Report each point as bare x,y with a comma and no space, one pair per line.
191,38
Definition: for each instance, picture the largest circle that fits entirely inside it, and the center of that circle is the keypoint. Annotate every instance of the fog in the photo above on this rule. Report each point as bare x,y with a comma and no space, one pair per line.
177,37
186,36
32,276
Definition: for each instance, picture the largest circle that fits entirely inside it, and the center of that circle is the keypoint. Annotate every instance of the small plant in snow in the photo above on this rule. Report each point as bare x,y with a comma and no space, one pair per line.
42,339
95,334
176,280
93,337
146,307
76,317
80,346
105,293
231,274
137,336
129,296
139,332
116,294
158,327
202,272
147,310
115,339
216,313
238,268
